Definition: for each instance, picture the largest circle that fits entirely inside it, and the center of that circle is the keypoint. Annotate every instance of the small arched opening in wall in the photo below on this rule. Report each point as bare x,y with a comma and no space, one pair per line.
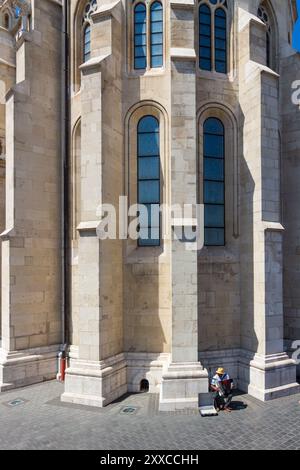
144,386
267,15
6,20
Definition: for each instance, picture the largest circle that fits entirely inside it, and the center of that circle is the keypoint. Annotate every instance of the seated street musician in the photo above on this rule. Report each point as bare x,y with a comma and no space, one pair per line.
222,385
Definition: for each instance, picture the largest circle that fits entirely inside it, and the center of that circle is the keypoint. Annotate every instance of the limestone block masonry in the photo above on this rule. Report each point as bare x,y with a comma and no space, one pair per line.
31,327
129,316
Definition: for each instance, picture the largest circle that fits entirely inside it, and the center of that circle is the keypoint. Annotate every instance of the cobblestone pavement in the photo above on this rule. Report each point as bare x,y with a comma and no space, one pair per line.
41,421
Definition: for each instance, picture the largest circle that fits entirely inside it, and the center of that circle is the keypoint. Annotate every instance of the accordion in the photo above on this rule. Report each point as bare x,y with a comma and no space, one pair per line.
226,386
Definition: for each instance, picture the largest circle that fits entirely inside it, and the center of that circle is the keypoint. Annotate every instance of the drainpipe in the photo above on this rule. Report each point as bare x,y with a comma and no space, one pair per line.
64,169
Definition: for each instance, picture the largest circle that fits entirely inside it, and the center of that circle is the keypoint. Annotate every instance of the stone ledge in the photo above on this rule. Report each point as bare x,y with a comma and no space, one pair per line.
7,234
265,363
105,10
177,404
267,377
94,62
22,368
274,393
184,222
95,383
273,227
181,385
182,4
88,227
183,53
21,37
77,399
7,64
252,67
246,18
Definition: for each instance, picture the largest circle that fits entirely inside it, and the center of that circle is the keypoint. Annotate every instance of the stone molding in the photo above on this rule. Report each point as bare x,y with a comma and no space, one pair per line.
181,385
26,367
95,383
94,62
182,4
7,64
90,227
183,53
105,10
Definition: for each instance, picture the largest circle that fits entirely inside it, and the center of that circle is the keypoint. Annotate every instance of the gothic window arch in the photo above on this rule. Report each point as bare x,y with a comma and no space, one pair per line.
140,36
214,181
82,37
156,34
90,7
265,14
147,34
148,180
213,35
86,53
205,40
218,168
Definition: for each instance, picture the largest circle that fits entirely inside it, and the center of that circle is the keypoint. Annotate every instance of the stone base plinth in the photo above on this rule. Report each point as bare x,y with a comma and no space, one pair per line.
268,377
95,383
181,385
147,366
27,367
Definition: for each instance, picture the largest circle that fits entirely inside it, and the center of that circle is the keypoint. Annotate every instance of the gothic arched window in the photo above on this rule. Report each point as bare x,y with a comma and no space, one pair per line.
205,37
86,42
90,7
148,180
213,35
214,182
220,41
148,32
265,17
140,36
156,31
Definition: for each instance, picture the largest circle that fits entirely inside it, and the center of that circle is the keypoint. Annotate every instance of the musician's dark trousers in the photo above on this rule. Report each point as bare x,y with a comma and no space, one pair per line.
222,402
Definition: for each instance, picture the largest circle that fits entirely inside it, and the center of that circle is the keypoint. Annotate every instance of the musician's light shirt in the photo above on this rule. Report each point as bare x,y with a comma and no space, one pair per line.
217,379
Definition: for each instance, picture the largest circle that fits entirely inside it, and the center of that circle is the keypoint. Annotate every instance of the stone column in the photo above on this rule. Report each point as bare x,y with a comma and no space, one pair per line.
31,242
7,80
98,375
184,378
265,369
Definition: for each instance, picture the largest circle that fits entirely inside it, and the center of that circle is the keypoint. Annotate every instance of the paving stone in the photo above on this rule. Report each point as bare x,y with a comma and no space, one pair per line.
44,422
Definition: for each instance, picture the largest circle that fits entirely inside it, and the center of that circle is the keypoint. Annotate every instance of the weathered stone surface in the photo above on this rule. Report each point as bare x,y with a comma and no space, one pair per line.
136,313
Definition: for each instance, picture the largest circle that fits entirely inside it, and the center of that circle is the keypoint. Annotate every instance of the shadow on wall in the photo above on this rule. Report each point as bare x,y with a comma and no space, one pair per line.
219,337
249,340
